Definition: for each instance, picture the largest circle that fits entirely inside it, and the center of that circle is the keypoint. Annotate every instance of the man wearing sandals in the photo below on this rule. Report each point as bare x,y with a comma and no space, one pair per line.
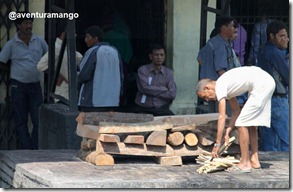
256,111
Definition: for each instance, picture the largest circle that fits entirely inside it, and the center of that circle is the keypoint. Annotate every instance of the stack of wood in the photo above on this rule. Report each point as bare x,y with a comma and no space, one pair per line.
210,164
166,138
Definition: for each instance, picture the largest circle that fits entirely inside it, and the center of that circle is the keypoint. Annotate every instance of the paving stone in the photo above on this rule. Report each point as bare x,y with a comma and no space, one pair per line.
63,169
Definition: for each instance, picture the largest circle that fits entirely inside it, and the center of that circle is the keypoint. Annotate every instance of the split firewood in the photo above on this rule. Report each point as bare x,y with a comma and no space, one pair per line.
213,167
109,138
157,138
191,139
175,138
134,139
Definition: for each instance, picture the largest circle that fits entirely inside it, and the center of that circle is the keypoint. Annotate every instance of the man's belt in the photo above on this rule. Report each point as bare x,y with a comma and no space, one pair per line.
280,95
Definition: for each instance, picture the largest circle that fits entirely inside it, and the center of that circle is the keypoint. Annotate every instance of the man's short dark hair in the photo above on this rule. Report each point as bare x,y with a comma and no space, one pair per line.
274,27
25,16
224,21
95,31
60,27
155,46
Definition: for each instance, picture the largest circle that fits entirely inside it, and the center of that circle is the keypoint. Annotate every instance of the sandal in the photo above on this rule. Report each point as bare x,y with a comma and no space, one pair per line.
236,170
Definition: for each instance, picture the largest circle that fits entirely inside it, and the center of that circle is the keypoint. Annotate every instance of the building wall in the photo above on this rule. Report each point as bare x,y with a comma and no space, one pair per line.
183,33
39,24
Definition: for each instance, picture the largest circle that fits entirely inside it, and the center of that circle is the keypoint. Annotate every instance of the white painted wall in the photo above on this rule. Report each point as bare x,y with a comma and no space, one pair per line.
183,35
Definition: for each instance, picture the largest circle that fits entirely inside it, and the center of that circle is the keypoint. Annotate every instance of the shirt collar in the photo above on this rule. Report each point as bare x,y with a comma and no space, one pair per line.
33,37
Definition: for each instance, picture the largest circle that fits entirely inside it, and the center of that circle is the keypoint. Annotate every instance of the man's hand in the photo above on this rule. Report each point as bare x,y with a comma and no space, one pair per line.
60,80
215,150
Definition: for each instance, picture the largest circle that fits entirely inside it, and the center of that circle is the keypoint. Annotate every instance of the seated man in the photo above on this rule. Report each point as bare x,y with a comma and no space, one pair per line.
156,86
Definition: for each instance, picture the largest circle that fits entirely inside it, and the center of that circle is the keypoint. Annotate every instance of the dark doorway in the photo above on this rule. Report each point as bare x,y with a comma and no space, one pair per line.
145,20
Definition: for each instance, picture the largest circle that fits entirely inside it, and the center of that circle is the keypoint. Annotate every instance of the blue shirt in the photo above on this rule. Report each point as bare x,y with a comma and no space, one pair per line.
271,57
24,58
216,55
100,77
258,40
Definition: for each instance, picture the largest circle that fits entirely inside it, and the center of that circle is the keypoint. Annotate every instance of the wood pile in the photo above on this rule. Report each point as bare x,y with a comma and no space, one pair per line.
210,164
166,138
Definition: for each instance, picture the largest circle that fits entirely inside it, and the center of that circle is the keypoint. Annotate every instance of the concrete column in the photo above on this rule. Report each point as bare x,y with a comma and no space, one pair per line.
183,33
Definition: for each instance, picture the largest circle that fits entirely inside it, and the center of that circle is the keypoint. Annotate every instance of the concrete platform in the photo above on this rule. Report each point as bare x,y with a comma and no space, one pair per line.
62,169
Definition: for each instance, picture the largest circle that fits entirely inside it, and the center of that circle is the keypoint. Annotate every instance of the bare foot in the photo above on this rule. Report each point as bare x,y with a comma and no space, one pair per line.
255,165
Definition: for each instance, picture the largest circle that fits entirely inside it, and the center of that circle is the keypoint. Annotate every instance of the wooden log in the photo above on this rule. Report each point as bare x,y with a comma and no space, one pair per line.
99,146
179,120
134,139
91,144
94,118
185,150
96,158
167,161
104,159
83,145
114,127
109,138
188,127
204,139
175,139
136,150
87,131
191,139
157,138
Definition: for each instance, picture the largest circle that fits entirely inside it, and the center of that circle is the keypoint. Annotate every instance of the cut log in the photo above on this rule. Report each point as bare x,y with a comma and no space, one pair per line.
109,138
87,131
185,150
175,139
204,139
167,161
94,118
157,138
138,150
179,120
114,127
134,139
83,145
96,158
104,159
91,144
191,139
188,127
